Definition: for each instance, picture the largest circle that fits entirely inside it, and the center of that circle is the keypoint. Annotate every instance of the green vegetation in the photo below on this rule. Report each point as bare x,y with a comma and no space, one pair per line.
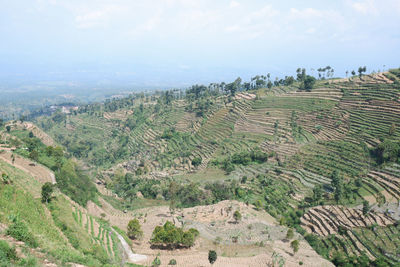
134,229
71,180
285,146
20,231
295,245
290,234
212,256
8,257
156,262
28,221
47,190
237,216
171,237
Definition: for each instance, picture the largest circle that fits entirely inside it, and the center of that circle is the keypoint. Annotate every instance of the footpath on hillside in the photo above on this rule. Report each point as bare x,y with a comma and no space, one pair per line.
43,175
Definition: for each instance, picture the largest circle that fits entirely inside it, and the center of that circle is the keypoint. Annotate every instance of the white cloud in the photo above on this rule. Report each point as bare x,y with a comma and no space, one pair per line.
234,4
365,7
89,18
311,30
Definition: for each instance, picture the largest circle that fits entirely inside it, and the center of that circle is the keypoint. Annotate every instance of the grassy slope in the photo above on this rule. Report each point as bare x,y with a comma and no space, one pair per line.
16,200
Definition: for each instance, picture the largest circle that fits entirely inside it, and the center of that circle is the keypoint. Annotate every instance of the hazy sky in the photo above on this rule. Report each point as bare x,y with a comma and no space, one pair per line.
177,42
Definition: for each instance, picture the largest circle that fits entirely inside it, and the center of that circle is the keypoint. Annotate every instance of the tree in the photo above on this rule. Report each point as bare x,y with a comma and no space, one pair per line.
47,190
34,155
353,72
156,262
392,129
212,256
134,229
8,128
301,74
171,236
308,83
289,234
365,208
317,193
196,161
237,216
295,245
361,70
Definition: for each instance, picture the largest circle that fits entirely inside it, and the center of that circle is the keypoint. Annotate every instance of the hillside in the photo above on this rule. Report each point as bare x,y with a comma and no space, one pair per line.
323,161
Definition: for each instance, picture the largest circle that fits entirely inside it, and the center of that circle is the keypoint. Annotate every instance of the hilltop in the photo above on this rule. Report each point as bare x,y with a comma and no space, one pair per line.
320,157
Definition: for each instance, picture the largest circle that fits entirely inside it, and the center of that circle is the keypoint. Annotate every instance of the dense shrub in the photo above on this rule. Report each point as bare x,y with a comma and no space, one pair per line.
20,231
76,184
196,161
241,158
169,236
7,254
134,229
388,150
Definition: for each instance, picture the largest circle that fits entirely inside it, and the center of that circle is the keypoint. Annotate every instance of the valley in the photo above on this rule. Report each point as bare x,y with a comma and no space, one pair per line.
273,175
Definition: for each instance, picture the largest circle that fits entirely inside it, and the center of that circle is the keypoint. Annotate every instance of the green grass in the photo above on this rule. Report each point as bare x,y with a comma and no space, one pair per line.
293,103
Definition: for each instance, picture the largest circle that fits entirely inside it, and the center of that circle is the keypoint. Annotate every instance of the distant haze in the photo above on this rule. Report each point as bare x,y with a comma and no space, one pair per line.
166,43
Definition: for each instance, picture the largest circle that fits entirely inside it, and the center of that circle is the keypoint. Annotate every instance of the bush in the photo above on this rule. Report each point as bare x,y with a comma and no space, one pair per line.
134,229
172,262
156,262
295,245
99,253
237,216
308,83
7,253
212,256
47,190
289,234
196,161
20,231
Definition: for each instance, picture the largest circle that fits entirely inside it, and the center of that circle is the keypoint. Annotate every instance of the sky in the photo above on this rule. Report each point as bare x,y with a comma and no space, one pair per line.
175,43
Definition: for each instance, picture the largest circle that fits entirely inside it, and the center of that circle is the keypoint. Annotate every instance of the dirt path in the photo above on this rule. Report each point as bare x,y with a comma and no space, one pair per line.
133,258
43,175
39,172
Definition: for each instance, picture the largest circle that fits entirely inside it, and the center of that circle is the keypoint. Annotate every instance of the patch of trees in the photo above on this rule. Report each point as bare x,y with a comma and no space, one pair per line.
361,70
326,72
169,236
70,179
307,82
386,151
136,119
340,190
241,158
179,195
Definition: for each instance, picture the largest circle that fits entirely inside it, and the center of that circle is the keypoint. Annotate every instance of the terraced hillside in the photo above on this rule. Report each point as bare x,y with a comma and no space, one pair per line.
52,237
305,157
